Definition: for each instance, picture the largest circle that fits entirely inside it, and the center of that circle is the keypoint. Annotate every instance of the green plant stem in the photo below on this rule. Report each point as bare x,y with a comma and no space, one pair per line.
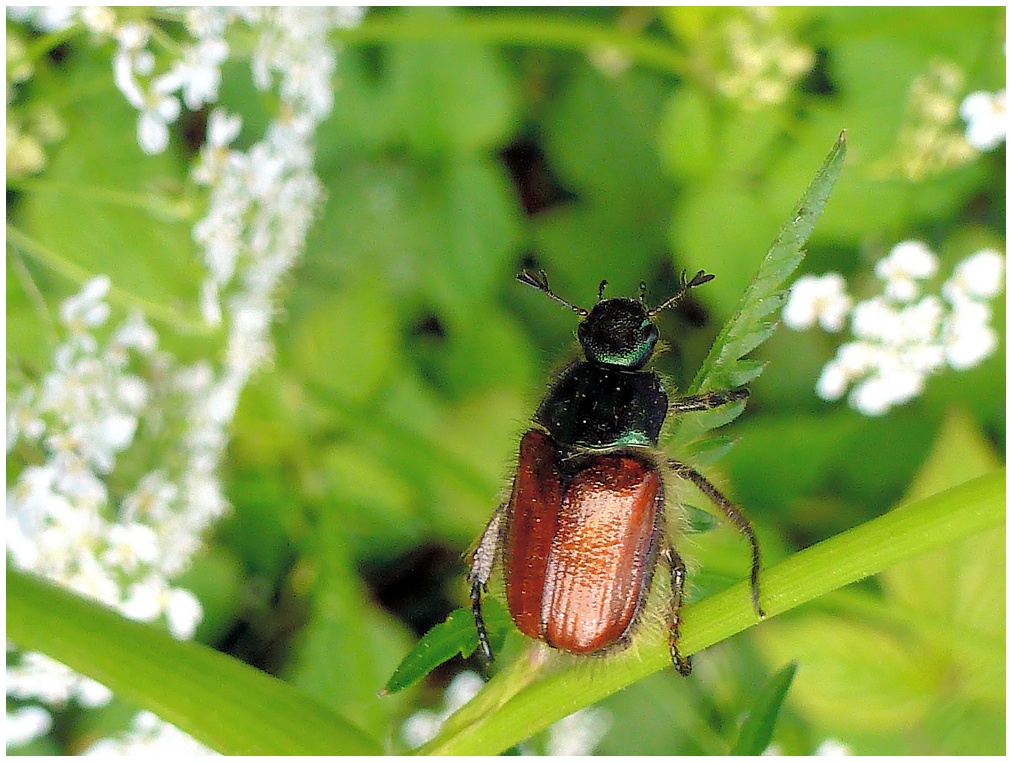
529,31
181,212
502,715
80,276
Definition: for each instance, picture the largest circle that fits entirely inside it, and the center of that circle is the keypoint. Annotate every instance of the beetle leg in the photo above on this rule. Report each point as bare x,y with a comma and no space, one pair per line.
682,663
707,400
481,570
734,515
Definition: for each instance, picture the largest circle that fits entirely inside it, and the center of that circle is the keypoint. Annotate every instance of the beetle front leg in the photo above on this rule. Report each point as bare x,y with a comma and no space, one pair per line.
735,516
479,575
682,663
707,400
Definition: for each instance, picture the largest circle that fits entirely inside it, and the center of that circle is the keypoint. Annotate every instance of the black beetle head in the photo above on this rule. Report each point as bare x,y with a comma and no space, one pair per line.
618,332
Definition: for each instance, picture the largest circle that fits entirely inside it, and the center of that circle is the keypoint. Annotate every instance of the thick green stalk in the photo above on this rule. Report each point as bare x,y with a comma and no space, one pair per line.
526,698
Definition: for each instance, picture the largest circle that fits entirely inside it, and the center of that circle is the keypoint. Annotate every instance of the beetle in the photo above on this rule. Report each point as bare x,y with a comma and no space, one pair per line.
585,524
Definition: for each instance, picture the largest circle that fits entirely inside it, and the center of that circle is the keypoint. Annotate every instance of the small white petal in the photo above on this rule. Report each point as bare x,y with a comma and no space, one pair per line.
832,382
26,724
152,134
183,613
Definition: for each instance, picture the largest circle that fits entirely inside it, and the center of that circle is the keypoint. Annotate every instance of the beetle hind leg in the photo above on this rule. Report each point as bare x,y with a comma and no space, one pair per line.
682,663
477,587
735,516
481,570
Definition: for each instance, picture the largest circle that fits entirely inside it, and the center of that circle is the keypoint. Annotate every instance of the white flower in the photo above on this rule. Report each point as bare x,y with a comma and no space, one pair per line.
577,734
135,334
875,320
26,724
86,309
93,580
918,323
198,73
832,381
151,501
968,337
150,738
160,110
23,419
821,299
183,612
133,35
130,546
92,694
41,677
222,129
986,117
833,748
152,597
99,19
421,727
979,276
908,262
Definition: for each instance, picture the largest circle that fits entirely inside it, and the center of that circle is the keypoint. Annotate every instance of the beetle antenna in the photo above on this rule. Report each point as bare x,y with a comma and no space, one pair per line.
697,280
540,282
643,293
600,290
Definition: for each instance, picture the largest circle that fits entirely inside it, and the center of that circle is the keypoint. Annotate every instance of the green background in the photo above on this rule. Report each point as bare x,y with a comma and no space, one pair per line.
463,146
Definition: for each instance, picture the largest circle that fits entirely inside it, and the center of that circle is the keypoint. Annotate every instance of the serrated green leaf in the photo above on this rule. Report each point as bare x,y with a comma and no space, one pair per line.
757,729
220,701
709,450
724,366
456,635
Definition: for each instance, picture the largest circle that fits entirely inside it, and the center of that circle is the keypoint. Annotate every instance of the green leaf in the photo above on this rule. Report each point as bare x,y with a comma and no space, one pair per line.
724,366
78,210
347,647
476,104
221,702
757,730
457,635
854,676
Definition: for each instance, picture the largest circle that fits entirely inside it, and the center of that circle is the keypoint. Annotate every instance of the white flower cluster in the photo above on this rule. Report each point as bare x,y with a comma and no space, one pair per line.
149,736
62,522
986,119
195,74
573,736
762,64
901,337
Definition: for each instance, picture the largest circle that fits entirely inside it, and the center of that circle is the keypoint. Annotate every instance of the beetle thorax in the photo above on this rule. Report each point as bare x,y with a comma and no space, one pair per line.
618,332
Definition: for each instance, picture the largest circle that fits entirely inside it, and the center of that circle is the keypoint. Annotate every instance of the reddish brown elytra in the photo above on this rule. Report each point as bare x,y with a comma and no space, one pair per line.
585,525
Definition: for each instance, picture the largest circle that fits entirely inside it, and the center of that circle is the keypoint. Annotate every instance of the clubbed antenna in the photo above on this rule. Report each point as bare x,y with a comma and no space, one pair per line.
540,282
697,280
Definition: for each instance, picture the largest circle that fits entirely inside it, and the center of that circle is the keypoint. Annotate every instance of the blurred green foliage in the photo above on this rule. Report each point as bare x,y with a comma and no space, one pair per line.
365,461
